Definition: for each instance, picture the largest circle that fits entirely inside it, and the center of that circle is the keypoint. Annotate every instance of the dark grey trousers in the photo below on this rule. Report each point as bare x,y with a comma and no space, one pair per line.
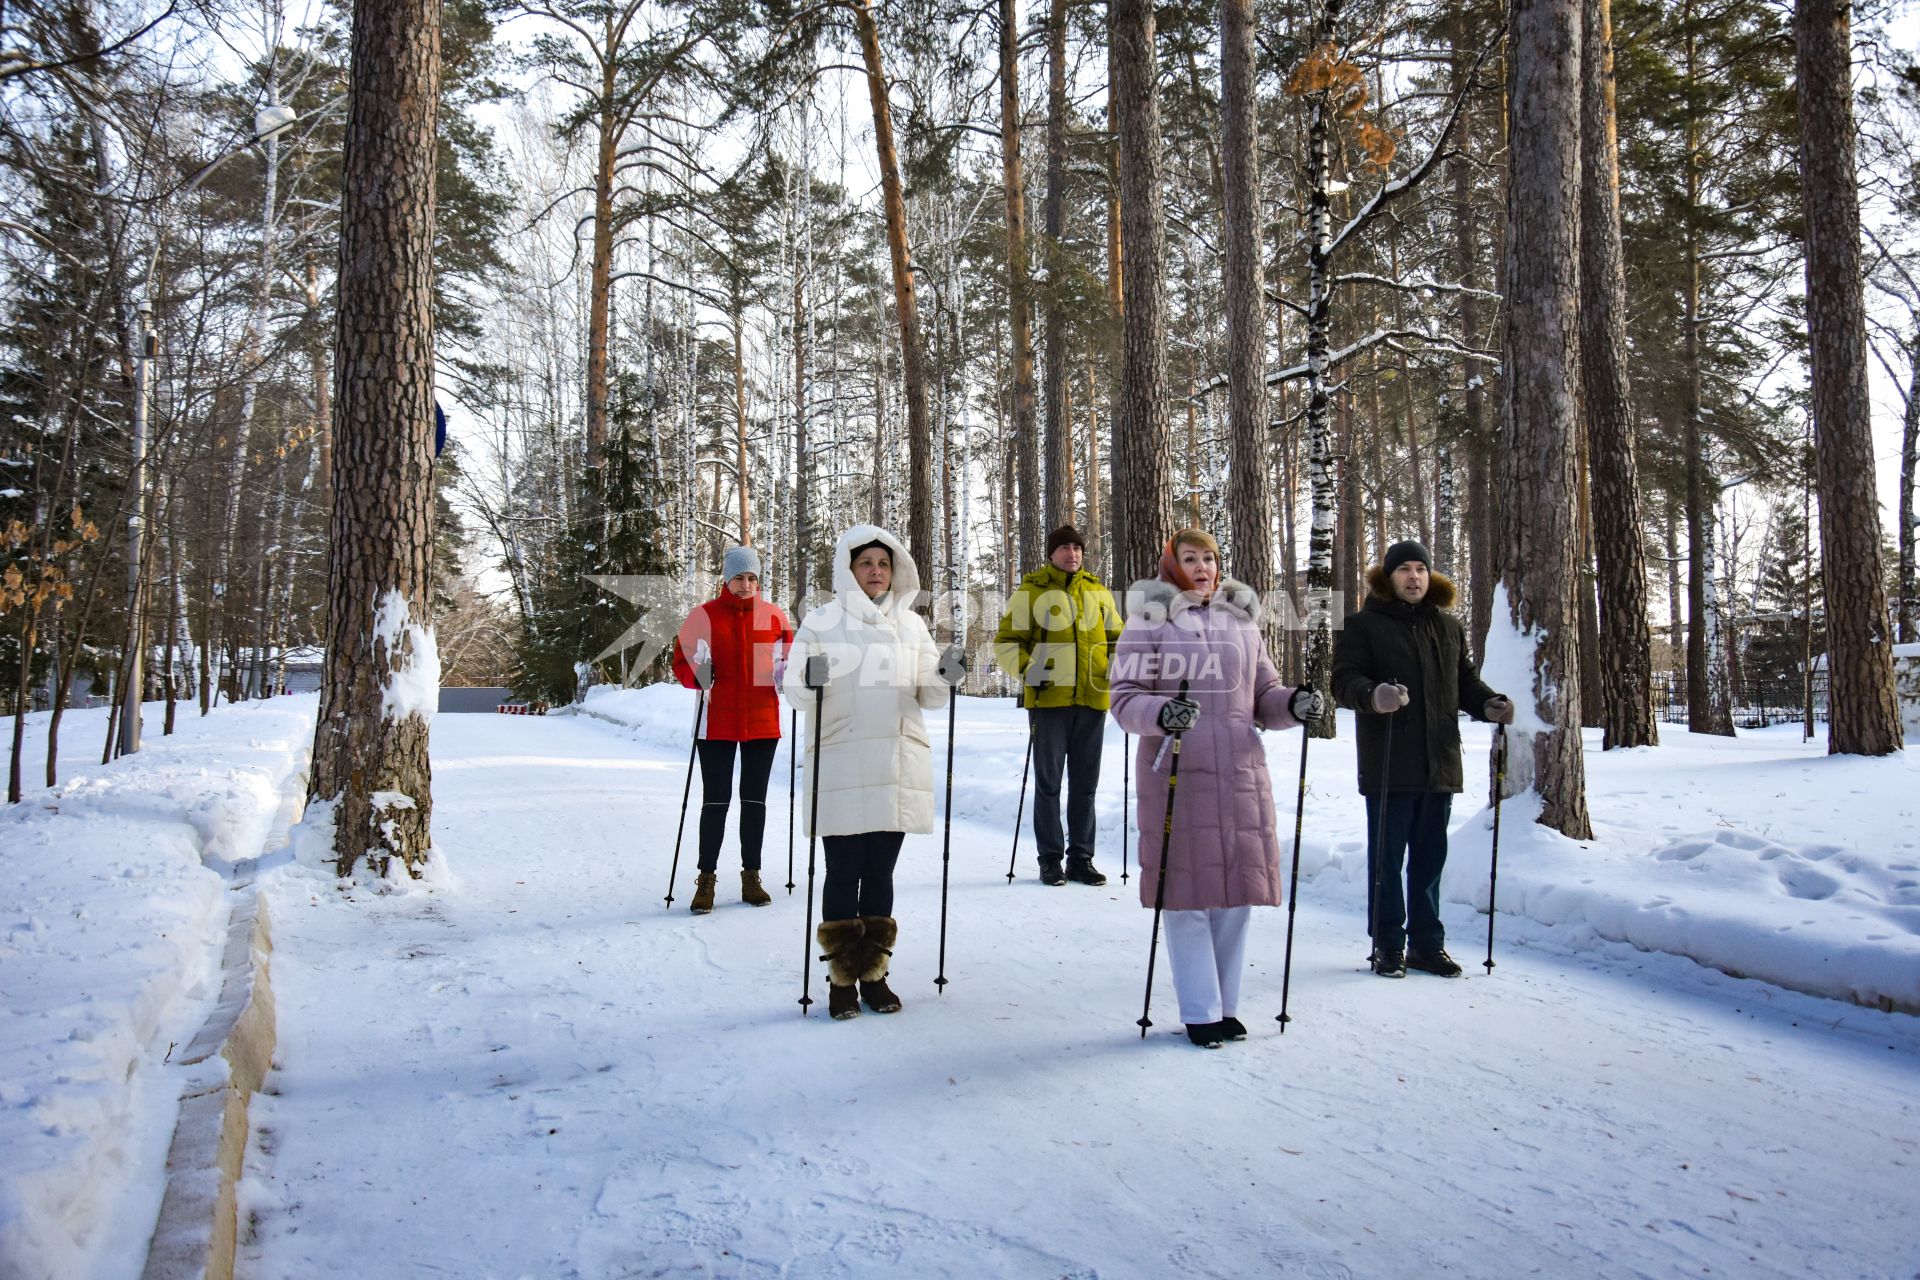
1065,739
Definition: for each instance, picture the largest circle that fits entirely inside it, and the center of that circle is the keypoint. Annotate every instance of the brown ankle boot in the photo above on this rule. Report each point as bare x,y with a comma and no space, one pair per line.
702,894
751,891
881,931
843,1003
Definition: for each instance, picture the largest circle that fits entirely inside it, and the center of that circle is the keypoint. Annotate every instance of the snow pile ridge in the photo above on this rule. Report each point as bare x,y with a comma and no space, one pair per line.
413,656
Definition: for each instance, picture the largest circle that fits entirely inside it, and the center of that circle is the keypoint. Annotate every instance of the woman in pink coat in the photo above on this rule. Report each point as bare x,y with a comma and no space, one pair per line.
1196,625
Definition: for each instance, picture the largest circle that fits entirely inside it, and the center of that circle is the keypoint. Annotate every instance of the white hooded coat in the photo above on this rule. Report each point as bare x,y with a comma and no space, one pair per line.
876,764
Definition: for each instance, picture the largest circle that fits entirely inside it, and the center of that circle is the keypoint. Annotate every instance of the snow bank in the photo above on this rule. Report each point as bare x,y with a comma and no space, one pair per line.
1759,855
110,938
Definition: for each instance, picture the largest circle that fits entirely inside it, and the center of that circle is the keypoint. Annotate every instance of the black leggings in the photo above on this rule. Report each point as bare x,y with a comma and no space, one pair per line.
860,875
716,792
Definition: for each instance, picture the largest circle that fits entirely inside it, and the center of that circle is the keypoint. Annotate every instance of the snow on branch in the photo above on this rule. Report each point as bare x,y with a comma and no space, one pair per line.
1415,285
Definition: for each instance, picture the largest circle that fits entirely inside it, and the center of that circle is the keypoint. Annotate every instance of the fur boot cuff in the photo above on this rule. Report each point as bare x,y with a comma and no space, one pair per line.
843,947
881,932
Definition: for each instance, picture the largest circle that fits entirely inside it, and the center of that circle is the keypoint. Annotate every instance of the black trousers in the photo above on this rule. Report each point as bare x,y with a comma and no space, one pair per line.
1416,832
860,874
1069,739
716,792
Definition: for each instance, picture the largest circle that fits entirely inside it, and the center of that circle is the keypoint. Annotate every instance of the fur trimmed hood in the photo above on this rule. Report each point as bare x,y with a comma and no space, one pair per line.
1156,598
1441,593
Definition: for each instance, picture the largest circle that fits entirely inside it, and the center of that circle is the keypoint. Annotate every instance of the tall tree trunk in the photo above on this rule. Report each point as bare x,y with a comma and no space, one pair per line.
1709,702
1092,531
1036,504
1540,537
1249,495
370,745
740,420
1059,484
802,465
1909,462
1625,648
1142,460
912,365
600,268
1863,714
1116,311
1321,602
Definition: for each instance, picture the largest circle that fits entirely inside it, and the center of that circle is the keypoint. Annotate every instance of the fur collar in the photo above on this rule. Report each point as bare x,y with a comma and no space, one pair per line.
1156,598
1441,593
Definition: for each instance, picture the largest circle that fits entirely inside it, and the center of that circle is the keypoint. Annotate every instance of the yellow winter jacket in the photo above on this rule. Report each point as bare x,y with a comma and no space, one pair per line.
1055,638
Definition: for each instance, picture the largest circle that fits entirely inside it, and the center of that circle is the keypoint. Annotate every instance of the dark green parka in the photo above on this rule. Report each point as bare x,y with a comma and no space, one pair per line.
1424,648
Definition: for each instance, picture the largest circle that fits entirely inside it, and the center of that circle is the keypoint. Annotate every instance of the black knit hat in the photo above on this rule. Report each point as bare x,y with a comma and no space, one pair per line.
855,554
1401,552
1065,535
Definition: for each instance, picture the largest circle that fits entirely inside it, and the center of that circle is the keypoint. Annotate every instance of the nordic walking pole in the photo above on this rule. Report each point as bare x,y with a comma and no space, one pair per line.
816,681
699,711
1293,891
793,766
1019,814
946,840
1160,889
1493,871
1126,795
1377,853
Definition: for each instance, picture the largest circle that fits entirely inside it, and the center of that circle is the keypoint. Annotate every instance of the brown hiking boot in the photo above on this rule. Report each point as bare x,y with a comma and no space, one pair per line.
751,891
702,894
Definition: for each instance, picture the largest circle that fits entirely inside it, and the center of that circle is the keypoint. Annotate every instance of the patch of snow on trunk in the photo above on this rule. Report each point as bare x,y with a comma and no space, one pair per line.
413,684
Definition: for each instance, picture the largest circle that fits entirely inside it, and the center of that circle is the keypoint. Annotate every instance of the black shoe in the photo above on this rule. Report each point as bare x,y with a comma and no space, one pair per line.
1051,872
843,1002
879,996
1232,1028
1390,964
1082,871
1208,1035
1436,962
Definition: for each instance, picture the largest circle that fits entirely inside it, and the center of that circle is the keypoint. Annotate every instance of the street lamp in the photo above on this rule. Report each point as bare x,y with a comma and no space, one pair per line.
269,123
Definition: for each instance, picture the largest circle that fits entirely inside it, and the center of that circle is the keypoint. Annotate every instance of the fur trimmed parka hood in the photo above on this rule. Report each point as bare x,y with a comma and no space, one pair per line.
1441,593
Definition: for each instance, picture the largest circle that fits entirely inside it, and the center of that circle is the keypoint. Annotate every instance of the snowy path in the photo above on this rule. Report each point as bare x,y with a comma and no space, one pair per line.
539,1071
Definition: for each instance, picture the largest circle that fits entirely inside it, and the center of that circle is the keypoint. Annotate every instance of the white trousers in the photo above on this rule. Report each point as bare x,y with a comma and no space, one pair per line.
1208,952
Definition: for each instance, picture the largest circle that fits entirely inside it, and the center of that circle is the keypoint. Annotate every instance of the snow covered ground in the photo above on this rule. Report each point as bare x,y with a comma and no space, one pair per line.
112,916
533,1068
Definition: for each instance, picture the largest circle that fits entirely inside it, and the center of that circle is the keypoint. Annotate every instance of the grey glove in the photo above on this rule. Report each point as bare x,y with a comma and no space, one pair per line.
1179,715
1306,704
1499,709
1389,697
1036,674
703,674
953,664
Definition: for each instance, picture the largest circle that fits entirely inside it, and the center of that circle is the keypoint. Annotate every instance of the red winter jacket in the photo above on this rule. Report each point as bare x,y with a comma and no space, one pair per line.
742,637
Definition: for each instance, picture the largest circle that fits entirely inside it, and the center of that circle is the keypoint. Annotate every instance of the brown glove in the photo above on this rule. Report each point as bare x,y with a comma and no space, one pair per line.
1389,697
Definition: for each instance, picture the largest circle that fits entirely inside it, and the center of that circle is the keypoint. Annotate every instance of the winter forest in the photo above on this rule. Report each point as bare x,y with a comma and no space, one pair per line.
434,356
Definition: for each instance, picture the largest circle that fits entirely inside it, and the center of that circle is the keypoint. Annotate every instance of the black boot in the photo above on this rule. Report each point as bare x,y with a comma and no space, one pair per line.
1082,871
1051,871
877,953
1390,964
1208,1035
1436,962
842,946
1233,1028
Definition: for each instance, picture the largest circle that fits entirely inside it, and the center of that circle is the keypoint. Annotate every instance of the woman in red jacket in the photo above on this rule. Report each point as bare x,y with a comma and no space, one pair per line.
729,646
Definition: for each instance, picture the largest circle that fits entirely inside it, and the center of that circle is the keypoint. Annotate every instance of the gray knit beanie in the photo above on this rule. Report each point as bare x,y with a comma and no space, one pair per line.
740,560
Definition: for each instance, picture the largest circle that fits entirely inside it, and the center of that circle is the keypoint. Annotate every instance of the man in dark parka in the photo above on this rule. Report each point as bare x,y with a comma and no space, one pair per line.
1400,664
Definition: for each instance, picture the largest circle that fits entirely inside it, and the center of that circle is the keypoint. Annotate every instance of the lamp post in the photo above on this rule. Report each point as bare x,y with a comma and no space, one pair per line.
268,124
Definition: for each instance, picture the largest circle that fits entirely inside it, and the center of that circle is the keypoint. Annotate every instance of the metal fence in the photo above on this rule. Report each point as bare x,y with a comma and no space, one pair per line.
1757,703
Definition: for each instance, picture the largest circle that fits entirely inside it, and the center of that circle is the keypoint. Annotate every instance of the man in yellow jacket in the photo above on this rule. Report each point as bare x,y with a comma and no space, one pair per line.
1055,638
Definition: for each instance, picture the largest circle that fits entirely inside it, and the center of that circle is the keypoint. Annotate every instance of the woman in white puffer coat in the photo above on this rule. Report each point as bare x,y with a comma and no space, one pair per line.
876,765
